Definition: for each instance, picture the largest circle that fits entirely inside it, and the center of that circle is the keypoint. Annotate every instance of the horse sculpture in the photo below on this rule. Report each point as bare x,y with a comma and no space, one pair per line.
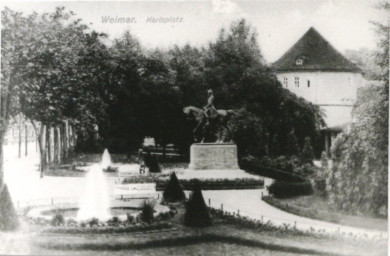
203,124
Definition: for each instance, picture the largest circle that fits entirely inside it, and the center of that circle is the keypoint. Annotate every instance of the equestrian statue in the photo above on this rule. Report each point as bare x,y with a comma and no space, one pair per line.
212,123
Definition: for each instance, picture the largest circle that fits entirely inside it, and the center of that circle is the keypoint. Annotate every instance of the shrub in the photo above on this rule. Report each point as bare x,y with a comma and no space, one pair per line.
196,214
151,162
93,222
114,221
57,220
305,169
320,186
110,169
174,192
270,168
130,218
147,211
283,189
8,216
307,155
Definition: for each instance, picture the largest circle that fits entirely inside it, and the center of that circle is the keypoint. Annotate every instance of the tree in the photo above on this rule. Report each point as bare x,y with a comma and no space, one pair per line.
196,214
62,76
292,144
123,130
366,60
240,78
14,30
383,36
358,181
174,192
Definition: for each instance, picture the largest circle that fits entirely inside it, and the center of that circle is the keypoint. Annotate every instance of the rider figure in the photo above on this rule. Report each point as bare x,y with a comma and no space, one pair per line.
209,109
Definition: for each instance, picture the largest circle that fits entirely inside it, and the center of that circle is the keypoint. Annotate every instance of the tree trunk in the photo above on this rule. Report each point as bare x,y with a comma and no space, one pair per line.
48,144
66,140
2,134
42,150
19,138
55,151
40,133
25,140
59,141
72,138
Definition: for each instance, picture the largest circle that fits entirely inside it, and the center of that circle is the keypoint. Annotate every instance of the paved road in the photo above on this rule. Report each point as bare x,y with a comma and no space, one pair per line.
26,186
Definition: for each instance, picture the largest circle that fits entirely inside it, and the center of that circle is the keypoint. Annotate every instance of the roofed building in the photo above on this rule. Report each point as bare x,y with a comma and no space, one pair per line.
313,69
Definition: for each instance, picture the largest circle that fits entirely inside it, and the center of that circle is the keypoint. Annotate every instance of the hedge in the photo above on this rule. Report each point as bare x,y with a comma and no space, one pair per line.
206,184
268,169
283,189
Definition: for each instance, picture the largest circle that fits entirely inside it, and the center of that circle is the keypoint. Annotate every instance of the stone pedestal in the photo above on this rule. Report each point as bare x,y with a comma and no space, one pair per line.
213,156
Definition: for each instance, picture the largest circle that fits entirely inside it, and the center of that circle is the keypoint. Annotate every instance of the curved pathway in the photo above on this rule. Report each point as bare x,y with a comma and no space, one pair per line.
248,203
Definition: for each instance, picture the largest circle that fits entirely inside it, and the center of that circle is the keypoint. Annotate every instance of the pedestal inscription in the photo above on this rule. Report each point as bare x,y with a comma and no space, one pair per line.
213,156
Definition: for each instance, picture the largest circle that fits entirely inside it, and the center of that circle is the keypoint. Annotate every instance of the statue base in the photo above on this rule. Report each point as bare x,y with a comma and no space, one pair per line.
213,156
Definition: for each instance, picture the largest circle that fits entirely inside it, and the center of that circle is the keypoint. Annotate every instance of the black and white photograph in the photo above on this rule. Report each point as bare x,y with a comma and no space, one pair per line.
208,127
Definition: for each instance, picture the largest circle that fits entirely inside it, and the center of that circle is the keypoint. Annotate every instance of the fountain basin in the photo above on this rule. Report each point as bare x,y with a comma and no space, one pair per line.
70,213
119,209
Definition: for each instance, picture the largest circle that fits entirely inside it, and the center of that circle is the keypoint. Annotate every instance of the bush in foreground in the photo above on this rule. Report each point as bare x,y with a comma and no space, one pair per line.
8,218
197,214
147,211
174,192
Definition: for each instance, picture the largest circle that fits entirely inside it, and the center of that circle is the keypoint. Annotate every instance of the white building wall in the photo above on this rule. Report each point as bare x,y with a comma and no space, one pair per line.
335,92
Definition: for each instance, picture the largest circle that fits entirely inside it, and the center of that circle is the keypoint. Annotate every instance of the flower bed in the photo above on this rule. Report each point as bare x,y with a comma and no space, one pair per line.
119,228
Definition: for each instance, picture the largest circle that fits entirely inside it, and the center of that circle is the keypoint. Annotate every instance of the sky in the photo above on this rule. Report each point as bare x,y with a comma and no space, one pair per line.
278,23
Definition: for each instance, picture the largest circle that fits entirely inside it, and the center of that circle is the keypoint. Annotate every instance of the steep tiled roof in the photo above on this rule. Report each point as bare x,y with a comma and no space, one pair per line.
315,54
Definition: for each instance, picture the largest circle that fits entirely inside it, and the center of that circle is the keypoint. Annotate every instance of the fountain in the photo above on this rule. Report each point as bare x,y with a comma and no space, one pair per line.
95,202
106,160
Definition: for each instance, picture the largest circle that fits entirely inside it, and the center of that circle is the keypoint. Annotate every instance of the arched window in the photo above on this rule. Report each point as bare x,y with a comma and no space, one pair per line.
308,83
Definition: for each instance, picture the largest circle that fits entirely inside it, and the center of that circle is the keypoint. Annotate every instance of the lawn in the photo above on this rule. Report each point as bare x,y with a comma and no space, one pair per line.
217,239
316,207
201,249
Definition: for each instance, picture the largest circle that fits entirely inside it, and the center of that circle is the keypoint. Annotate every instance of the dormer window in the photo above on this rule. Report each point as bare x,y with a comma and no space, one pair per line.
299,62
